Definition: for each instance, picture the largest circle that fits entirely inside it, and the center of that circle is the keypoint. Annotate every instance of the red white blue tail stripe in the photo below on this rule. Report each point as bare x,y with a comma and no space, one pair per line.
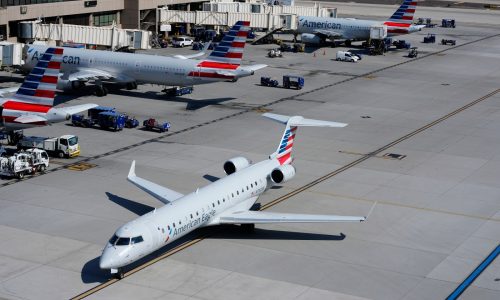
230,49
405,12
284,152
39,87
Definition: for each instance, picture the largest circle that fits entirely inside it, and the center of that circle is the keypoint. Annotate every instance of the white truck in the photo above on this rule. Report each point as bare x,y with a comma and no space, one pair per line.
23,163
347,56
63,146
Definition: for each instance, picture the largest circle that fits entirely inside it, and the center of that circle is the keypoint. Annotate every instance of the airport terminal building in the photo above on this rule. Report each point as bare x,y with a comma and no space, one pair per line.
130,14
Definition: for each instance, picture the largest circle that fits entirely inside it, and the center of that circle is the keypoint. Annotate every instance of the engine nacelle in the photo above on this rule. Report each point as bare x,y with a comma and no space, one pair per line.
309,38
236,164
66,85
282,174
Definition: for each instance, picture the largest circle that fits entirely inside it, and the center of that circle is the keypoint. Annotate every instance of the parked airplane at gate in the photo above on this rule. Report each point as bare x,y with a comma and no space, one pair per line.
32,104
316,30
223,64
225,201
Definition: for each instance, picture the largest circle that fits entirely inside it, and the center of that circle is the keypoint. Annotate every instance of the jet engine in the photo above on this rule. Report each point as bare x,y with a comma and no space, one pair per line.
309,38
236,164
282,174
66,85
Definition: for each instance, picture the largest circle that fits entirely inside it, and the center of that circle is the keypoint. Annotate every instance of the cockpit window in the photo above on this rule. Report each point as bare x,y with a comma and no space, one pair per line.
112,241
123,241
137,239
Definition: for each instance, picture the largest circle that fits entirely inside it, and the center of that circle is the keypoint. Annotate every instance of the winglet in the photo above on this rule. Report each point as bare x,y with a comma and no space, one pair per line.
131,173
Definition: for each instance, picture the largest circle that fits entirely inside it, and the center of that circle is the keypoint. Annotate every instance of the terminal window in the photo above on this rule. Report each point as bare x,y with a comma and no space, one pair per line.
104,19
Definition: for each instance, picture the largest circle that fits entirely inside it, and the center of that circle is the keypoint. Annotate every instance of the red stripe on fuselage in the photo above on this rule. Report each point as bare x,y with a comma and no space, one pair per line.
22,106
218,65
59,51
395,24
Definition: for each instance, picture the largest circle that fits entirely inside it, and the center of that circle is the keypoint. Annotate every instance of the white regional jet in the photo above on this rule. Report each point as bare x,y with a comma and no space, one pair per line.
225,201
316,30
80,66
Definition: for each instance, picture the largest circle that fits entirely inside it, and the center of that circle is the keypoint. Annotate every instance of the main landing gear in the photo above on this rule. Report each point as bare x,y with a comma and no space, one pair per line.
101,91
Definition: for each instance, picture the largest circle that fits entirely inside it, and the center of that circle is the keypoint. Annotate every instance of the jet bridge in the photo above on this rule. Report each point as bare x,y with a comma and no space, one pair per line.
260,15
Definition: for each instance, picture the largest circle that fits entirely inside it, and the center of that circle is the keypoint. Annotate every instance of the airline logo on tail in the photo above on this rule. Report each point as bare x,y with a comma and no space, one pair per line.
227,55
284,153
36,94
40,85
401,21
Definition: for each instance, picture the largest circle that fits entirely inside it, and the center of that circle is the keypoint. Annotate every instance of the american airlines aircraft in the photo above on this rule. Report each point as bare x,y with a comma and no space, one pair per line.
32,104
225,201
316,30
81,65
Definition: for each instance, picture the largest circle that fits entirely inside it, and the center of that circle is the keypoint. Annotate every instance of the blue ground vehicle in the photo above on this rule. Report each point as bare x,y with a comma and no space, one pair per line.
111,120
268,81
131,122
104,116
293,81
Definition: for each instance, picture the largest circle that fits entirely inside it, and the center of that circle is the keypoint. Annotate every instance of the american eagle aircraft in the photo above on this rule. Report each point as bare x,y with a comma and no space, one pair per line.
80,66
315,30
32,104
225,201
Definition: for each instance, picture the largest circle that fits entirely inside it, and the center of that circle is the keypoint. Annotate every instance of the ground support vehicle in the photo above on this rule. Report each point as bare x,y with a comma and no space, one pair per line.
152,124
293,81
24,163
275,53
131,122
401,44
268,81
63,146
178,91
448,42
413,53
111,120
448,23
430,38
182,41
92,116
347,56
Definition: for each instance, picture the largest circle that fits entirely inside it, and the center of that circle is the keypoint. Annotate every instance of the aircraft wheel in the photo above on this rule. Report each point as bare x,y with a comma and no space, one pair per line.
119,274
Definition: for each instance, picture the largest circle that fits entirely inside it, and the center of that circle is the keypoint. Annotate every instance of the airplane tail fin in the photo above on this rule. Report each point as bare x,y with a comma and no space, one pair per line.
39,86
230,49
405,12
284,151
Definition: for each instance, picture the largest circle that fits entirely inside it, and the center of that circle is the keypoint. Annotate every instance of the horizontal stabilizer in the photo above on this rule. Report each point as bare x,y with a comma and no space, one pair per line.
256,217
161,193
201,53
71,110
301,121
27,119
254,67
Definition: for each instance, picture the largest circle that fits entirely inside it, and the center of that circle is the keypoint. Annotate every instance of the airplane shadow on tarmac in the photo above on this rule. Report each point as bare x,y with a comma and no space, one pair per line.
91,272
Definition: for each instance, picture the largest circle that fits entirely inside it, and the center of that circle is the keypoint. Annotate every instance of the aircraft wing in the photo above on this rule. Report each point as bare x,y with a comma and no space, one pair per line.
161,193
254,67
8,90
90,74
71,110
328,33
256,217
26,119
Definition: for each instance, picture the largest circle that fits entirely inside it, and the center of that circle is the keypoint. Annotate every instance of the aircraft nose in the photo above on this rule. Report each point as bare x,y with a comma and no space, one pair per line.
107,260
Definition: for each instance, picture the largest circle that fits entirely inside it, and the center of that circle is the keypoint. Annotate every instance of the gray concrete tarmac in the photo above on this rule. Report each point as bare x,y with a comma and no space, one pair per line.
438,212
